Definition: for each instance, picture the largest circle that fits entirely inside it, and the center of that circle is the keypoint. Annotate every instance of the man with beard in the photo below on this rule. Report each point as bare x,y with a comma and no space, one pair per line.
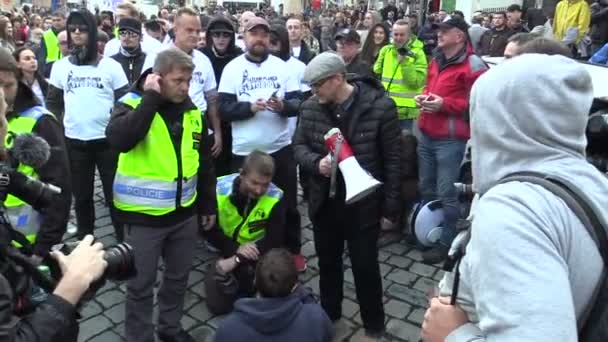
258,96
85,86
220,50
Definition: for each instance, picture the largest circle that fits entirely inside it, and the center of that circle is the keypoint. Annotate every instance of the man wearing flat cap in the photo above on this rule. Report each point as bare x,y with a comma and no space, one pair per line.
368,121
444,125
348,45
130,56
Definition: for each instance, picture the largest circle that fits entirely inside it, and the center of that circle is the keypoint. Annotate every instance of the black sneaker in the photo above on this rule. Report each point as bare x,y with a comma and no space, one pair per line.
435,255
181,336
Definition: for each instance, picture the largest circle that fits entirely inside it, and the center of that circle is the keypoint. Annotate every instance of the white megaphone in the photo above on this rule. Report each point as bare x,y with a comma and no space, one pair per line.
358,182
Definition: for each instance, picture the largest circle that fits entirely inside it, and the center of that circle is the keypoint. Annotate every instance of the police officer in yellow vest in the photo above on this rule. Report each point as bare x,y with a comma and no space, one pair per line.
402,66
45,227
164,189
251,220
49,51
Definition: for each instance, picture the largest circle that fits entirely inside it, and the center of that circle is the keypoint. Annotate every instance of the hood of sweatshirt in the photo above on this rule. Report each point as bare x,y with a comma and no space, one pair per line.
88,54
270,315
224,23
530,114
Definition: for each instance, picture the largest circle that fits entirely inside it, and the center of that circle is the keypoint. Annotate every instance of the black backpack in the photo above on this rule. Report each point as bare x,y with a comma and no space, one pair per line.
595,327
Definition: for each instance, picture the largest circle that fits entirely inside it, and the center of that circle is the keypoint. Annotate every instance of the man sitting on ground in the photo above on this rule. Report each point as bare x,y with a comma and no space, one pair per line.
251,219
282,311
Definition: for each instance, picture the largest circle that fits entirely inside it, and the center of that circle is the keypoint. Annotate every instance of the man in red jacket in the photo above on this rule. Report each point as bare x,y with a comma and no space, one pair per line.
444,124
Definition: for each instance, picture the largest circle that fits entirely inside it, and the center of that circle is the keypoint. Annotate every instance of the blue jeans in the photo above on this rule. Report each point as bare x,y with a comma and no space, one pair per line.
439,168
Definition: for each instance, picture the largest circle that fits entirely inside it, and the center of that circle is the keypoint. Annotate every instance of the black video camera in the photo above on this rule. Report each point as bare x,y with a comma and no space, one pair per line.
403,51
32,281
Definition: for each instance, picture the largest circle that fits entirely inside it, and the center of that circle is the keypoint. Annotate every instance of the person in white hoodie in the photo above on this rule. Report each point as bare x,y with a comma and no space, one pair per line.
530,269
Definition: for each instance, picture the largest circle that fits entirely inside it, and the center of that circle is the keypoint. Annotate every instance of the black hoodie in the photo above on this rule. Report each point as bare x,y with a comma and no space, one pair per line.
55,171
219,61
295,318
127,127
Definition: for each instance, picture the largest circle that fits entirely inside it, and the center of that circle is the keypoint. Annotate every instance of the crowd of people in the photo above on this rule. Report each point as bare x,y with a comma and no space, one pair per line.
204,123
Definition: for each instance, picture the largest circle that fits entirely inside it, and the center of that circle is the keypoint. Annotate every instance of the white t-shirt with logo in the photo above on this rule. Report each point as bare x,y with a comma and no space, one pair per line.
296,69
203,78
88,95
266,131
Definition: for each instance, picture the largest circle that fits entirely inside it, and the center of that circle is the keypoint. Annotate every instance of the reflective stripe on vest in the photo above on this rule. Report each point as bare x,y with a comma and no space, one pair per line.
22,216
150,176
152,193
399,91
253,227
51,44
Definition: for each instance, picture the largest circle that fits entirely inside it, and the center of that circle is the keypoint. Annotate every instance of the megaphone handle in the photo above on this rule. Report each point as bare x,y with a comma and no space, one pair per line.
334,169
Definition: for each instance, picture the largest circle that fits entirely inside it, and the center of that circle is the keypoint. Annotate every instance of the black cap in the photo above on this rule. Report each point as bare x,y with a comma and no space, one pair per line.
221,26
348,35
454,23
130,24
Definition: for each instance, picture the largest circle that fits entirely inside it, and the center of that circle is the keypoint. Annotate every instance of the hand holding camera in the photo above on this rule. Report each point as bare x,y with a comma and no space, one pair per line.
80,268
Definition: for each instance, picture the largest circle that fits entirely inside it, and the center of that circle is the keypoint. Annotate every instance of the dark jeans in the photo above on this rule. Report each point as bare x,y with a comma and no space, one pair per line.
439,168
223,162
84,157
286,178
331,228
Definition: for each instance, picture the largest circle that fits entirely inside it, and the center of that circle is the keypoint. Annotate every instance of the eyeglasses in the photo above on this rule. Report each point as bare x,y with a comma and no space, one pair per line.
128,34
220,34
320,83
81,28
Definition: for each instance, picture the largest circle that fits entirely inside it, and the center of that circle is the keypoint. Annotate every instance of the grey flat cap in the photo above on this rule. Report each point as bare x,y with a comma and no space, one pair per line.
323,66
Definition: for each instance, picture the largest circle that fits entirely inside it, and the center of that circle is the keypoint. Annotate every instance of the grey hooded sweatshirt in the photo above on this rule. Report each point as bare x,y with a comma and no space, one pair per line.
531,270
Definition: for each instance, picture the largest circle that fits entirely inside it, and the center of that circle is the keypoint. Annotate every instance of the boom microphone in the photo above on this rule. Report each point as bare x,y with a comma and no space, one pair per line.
30,149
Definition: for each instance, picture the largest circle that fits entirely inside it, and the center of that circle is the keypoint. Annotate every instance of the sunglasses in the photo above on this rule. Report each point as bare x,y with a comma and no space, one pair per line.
127,33
81,28
220,34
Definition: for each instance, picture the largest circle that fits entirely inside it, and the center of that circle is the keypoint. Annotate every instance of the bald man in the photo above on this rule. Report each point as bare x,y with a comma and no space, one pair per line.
245,17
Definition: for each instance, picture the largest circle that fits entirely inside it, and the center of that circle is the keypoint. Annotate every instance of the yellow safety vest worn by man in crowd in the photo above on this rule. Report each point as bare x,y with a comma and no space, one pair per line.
51,44
22,216
244,229
571,15
403,80
151,178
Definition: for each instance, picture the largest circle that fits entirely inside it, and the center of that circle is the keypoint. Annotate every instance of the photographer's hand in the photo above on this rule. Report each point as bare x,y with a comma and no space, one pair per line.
82,267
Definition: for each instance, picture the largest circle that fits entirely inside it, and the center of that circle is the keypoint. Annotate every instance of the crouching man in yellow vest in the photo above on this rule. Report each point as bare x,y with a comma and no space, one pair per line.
251,219
402,66
163,189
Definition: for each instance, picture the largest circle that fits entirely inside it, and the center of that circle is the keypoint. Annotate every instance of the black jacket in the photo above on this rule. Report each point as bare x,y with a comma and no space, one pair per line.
53,321
375,141
132,65
599,24
55,171
359,67
306,55
273,237
493,42
127,127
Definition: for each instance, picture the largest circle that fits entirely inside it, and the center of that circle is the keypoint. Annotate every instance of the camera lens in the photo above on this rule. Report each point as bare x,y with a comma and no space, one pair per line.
121,262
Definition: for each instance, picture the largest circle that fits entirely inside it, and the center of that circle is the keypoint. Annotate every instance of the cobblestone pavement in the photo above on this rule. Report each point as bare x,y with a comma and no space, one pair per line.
405,282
